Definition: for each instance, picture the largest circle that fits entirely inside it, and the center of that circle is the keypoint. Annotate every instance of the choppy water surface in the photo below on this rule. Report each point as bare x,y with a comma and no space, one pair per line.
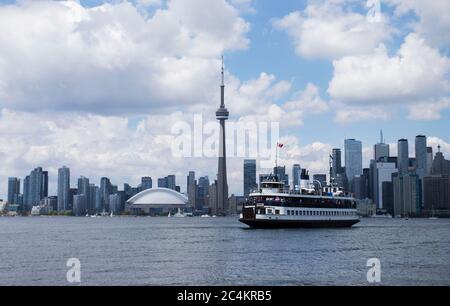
220,251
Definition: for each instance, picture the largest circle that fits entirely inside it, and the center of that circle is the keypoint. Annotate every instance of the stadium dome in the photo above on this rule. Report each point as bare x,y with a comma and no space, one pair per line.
156,200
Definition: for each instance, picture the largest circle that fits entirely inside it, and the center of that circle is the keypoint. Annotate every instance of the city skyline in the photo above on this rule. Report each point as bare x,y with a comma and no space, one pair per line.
249,165
114,113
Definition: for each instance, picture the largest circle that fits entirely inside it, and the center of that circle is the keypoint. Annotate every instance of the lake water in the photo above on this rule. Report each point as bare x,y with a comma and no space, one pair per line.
220,251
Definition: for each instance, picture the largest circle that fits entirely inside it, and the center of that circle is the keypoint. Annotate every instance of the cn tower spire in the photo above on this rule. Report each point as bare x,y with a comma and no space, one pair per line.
223,83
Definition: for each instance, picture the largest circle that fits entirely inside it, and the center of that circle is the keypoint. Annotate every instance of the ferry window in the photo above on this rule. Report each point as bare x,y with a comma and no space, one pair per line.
288,212
277,212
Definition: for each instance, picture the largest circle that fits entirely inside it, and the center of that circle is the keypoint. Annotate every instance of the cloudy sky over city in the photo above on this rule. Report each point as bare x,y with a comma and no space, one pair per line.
98,85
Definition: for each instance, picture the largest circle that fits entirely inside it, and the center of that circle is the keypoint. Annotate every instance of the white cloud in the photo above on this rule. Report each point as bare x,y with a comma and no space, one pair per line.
430,110
345,114
433,19
288,114
417,72
58,55
330,29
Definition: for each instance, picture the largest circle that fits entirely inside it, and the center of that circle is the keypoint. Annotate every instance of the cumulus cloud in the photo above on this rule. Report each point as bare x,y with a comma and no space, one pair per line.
330,30
433,22
417,72
110,59
346,115
430,110
290,113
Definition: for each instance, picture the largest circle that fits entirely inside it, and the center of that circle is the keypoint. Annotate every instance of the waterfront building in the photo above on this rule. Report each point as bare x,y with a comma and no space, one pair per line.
403,157
171,182
191,188
441,166
382,172
105,191
280,172
115,203
63,189
84,188
296,172
212,198
79,204
436,190
146,183
353,160
249,176
388,197
13,189
163,183
336,168
202,193
35,188
361,184
381,150
407,195
429,160
421,155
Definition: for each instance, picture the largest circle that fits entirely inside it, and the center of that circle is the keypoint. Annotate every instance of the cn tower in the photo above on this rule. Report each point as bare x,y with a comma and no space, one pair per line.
222,185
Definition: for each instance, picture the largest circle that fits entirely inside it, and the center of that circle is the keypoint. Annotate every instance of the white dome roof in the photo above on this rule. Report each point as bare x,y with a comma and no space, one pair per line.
158,196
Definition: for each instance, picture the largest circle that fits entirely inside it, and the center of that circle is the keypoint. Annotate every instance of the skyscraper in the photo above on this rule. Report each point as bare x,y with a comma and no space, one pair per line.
202,193
249,176
105,191
191,189
26,193
336,165
421,155
441,166
280,172
13,189
381,149
403,157
429,160
353,160
383,172
296,172
63,188
84,188
222,184
146,183
79,204
171,182
36,185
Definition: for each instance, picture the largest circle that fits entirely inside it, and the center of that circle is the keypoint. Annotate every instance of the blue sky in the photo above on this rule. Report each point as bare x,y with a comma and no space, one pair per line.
122,68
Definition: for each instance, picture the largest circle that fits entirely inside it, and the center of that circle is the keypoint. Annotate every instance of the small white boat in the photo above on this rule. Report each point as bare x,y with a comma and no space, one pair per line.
205,216
111,215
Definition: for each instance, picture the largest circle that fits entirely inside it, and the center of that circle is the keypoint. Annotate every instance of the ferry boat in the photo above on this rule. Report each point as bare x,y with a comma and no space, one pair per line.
274,207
